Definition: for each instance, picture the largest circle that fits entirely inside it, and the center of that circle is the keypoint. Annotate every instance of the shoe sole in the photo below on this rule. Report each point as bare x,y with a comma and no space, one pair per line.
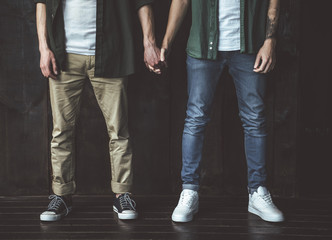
53,218
125,216
183,219
264,217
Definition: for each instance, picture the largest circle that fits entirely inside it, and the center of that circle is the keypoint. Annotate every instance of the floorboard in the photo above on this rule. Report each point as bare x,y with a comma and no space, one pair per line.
219,218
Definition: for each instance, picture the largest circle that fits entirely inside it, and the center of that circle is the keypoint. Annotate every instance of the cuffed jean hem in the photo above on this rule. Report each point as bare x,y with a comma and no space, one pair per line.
190,187
63,189
252,190
120,188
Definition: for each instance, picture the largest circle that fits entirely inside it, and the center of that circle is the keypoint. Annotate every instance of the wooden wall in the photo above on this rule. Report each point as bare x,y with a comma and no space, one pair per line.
315,101
23,104
157,110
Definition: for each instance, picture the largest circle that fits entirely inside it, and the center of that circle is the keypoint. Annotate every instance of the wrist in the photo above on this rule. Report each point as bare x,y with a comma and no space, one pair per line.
166,44
43,48
149,42
271,41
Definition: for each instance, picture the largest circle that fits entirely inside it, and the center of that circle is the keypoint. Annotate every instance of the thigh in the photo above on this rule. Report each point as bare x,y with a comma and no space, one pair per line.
111,95
203,77
66,90
250,86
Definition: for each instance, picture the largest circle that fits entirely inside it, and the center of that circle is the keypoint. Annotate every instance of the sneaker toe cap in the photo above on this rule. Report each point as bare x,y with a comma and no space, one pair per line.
48,213
129,212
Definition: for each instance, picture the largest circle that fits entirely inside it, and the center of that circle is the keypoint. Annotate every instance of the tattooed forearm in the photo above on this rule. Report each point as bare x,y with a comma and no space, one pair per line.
272,19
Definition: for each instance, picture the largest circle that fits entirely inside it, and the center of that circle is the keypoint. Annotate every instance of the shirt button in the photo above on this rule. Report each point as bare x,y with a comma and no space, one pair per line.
211,48
211,43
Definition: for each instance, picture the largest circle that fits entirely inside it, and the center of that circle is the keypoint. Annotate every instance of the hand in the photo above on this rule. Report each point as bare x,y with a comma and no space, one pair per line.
164,55
164,52
266,57
152,57
48,64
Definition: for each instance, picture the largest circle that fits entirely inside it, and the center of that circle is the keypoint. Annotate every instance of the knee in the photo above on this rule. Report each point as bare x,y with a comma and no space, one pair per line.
254,124
195,124
63,134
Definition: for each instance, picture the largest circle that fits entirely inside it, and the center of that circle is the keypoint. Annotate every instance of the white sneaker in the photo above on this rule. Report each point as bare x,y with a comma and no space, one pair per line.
260,203
187,206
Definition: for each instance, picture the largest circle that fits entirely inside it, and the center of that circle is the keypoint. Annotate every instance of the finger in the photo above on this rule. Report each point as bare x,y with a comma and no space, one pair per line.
157,71
257,61
53,76
55,68
152,60
50,72
42,70
150,68
147,66
262,67
268,67
162,54
46,72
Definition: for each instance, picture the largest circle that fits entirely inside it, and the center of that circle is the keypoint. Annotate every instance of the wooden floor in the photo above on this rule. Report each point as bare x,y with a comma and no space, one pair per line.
219,218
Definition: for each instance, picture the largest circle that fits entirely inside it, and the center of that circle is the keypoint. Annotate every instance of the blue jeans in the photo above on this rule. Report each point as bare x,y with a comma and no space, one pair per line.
203,77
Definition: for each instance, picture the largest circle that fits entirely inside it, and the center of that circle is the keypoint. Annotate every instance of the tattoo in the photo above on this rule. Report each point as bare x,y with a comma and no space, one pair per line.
272,23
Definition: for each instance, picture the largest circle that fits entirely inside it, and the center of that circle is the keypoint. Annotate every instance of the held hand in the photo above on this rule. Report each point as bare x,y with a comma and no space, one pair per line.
152,57
164,55
48,64
266,57
162,64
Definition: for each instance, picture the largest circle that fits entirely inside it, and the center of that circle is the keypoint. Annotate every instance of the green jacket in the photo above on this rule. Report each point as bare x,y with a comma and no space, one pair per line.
114,37
204,34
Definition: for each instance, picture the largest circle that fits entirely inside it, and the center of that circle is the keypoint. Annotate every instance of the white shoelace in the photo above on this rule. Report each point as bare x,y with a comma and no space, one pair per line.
126,202
266,200
186,199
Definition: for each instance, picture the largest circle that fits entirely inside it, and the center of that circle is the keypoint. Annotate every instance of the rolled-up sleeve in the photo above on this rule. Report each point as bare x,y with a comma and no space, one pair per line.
39,1
141,3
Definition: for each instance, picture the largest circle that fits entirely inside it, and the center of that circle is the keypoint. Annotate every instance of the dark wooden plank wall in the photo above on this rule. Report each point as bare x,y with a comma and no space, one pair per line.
157,110
315,108
23,104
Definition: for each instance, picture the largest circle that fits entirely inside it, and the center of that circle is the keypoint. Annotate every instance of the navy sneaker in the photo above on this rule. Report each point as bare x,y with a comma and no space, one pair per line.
58,208
124,206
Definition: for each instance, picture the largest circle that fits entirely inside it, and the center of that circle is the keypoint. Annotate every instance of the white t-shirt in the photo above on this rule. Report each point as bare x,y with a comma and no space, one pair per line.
80,26
229,25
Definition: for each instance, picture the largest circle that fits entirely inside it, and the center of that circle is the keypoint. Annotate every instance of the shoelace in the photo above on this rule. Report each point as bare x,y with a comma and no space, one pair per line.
186,199
126,202
267,199
56,203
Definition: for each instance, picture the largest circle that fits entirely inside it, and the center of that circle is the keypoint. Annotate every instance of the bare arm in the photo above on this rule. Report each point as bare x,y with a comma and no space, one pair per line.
272,19
151,51
266,57
47,59
177,13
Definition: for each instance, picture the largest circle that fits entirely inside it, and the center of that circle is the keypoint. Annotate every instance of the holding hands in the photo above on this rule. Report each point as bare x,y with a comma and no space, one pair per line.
177,13
155,58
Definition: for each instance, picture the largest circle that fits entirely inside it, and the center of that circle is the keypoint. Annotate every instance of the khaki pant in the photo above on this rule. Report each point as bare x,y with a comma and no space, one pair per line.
65,94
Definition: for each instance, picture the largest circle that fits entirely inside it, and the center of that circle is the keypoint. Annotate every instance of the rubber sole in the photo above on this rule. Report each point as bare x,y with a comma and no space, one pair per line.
125,216
53,217
184,219
265,217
